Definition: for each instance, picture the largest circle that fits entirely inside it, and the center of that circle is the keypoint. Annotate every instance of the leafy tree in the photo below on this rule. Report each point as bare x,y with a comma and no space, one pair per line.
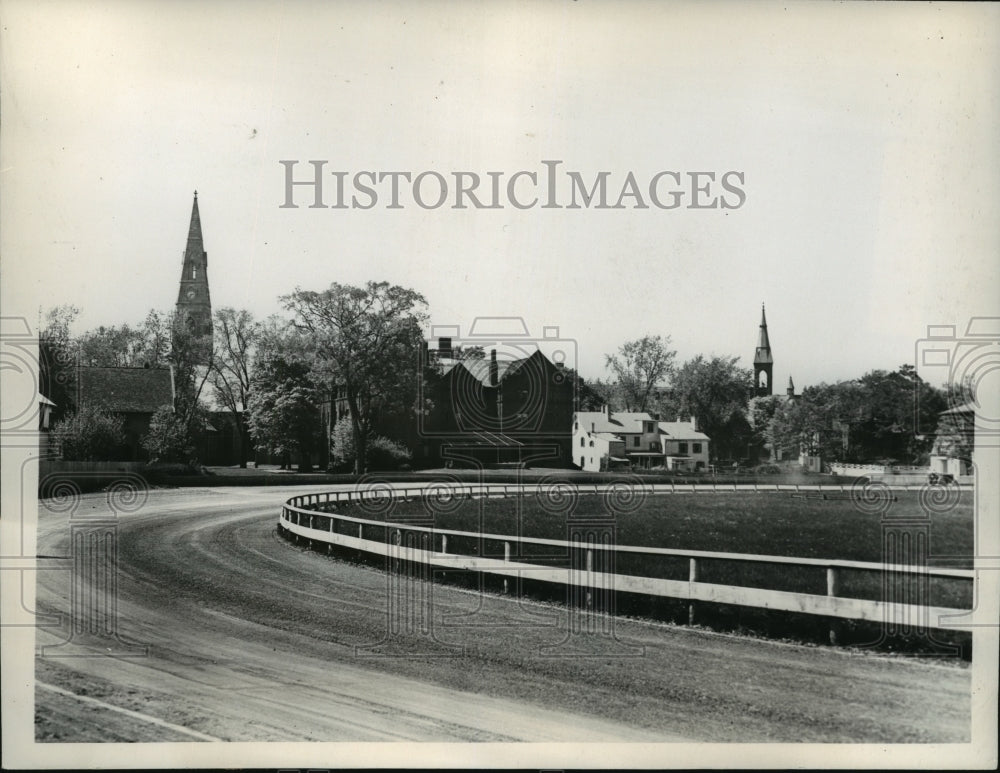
168,438
57,358
343,451
126,346
383,453
236,334
283,398
819,420
877,417
639,367
91,434
191,372
369,338
716,391
763,416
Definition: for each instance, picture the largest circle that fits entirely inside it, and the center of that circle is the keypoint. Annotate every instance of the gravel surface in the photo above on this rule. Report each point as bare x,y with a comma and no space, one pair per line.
252,638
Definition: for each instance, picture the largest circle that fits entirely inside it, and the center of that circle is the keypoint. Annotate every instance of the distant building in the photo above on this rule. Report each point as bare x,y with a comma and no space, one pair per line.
763,360
131,393
599,442
494,411
194,302
684,446
953,452
763,375
605,439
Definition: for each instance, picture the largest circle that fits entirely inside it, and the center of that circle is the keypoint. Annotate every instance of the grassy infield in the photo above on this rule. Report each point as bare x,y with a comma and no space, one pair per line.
745,522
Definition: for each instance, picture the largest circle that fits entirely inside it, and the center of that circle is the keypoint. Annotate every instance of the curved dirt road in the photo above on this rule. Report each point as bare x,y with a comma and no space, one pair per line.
252,638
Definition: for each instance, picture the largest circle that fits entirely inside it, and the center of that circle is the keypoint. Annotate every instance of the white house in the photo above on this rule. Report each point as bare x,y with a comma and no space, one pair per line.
595,436
684,447
638,439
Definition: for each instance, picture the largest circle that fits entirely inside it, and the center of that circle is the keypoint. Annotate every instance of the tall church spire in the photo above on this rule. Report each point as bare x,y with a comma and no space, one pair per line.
194,304
763,361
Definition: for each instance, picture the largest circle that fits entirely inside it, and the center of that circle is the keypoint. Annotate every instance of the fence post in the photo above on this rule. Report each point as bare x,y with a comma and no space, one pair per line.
506,558
692,577
831,591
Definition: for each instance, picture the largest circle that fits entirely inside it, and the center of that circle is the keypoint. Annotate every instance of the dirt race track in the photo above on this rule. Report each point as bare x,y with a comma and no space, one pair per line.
251,638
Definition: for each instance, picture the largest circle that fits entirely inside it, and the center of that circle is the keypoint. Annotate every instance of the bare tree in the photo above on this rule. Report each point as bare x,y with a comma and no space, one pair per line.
236,334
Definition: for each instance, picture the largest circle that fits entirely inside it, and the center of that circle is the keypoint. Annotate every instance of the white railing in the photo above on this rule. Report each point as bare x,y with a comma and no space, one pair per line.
429,546
842,468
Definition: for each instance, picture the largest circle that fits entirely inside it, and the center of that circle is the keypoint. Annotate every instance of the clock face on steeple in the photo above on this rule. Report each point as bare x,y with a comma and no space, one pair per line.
190,294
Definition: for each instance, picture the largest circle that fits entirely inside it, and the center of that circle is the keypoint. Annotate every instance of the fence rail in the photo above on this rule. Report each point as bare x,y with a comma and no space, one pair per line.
429,546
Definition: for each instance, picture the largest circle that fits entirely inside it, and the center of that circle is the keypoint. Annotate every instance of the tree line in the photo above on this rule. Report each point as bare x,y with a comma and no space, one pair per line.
882,416
338,373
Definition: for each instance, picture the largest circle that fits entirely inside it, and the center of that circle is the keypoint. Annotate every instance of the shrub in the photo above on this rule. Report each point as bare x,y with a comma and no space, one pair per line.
92,434
386,454
168,439
382,453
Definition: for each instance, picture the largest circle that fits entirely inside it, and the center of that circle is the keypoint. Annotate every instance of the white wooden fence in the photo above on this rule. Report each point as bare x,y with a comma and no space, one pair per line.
300,517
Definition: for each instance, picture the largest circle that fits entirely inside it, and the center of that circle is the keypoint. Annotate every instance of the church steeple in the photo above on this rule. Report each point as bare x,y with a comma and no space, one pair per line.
194,304
763,361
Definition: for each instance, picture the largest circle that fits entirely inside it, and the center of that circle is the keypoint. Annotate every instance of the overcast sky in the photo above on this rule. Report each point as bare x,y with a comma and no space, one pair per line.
866,134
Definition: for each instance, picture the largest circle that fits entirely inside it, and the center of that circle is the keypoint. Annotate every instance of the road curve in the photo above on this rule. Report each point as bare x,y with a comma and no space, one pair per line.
251,638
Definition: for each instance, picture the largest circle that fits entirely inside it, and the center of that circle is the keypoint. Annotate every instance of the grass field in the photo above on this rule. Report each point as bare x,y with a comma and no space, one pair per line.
777,524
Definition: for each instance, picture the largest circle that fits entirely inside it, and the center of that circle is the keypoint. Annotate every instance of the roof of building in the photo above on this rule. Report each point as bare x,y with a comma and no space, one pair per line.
479,369
681,430
629,422
762,355
126,390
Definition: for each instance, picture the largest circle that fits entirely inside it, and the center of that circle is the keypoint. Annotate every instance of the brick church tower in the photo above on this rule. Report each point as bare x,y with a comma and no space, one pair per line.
763,362
194,305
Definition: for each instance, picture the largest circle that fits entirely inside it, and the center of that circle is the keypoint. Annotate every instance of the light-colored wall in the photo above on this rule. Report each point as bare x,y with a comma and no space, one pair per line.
589,455
672,447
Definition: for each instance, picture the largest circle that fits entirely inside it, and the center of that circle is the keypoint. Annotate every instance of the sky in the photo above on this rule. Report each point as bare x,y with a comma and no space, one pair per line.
866,135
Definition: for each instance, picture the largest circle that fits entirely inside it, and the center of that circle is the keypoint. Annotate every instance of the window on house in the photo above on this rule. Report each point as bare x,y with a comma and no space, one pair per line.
647,426
576,425
654,446
194,272
696,448
682,448
583,442
635,441
591,443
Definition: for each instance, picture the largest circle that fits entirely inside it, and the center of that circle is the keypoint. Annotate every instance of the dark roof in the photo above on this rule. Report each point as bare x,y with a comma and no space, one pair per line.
126,390
480,369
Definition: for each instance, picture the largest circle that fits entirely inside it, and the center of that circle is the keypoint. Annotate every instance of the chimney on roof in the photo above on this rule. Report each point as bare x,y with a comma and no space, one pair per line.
694,423
606,410
494,371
